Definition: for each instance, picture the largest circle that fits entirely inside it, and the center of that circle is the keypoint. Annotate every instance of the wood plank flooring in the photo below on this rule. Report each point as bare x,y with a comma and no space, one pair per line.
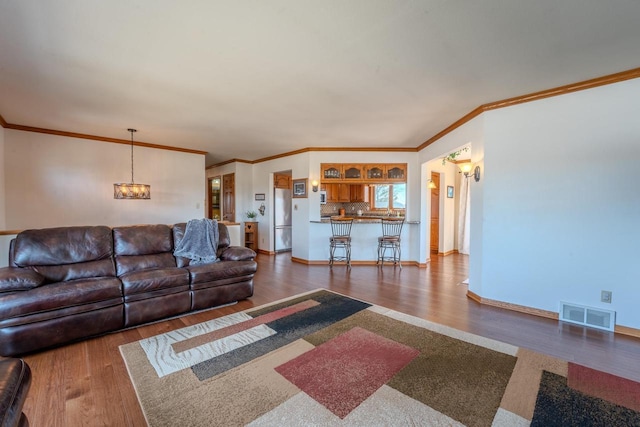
86,383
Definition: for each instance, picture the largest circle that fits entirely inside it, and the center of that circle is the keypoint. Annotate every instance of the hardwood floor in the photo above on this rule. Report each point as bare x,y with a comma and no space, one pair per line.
86,384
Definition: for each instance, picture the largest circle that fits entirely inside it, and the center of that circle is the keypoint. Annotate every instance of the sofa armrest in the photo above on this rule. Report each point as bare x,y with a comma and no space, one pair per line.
237,253
19,279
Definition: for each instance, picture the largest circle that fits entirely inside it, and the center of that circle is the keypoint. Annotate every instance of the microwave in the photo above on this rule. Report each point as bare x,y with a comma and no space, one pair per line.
323,197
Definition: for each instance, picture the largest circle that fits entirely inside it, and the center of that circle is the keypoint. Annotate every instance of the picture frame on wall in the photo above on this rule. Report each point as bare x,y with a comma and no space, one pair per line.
259,196
300,188
449,191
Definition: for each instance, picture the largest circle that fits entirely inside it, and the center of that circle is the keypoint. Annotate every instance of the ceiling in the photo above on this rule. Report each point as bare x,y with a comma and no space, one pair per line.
251,79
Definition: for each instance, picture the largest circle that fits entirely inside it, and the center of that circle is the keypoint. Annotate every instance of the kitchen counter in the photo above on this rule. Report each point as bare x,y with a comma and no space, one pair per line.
363,219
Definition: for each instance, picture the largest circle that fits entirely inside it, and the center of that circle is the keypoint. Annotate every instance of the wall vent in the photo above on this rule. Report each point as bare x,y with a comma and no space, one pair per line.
587,316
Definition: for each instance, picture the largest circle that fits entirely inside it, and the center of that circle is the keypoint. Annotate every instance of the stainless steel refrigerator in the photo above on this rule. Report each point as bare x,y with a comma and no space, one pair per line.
282,219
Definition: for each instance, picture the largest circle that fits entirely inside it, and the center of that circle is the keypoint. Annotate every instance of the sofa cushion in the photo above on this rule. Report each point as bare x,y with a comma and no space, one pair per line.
65,253
19,279
221,270
63,245
142,239
149,281
131,263
58,296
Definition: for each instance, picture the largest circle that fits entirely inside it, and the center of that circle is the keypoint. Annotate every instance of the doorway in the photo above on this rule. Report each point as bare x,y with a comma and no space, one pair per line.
214,198
435,213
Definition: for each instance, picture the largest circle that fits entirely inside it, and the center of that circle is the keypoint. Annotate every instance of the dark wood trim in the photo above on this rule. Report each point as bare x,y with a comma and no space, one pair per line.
513,307
9,232
229,161
560,90
535,96
625,330
99,138
618,329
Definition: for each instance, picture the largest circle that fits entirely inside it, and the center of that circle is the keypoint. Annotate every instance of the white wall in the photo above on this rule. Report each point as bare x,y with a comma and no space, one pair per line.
60,181
561,205
3,219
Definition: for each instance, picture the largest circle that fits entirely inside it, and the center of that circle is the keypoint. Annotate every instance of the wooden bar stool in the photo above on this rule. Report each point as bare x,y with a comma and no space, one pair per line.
390,239
341,238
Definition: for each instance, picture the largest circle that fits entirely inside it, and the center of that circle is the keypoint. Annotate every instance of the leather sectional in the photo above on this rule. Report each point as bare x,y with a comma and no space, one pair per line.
69,283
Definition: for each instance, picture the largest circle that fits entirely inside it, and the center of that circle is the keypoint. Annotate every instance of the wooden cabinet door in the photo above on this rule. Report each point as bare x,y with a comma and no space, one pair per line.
229,197
344,193
352,172
356,193
375,172
396,172
332,192
282,181
331,171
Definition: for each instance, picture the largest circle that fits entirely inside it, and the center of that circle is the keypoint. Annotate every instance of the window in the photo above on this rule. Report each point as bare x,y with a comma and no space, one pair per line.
389,196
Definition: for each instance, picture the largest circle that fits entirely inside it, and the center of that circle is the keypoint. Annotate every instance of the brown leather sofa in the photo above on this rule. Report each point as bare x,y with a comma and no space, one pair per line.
69,283
15,380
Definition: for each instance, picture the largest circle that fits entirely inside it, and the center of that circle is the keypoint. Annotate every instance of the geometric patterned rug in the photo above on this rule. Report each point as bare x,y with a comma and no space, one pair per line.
324,359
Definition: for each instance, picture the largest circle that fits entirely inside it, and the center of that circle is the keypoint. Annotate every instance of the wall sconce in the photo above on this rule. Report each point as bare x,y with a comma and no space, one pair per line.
261,209
465,168
431,184
314,186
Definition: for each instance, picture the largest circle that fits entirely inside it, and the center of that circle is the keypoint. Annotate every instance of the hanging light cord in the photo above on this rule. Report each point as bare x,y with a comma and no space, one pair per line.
132,131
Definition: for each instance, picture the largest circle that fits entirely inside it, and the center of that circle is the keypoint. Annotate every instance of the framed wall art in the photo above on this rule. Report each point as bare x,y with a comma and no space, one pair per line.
300,188
450,191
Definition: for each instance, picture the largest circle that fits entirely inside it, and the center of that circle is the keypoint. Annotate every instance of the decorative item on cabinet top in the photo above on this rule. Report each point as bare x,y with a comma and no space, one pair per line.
365,173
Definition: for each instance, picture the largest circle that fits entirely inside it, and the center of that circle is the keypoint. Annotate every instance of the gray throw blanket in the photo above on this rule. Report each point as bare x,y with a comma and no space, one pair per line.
200,242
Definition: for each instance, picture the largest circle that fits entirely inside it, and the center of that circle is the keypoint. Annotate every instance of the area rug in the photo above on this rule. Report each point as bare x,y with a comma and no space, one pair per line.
325,359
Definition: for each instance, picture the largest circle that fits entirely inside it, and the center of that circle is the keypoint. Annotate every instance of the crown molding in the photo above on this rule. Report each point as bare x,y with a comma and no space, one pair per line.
535,96
97,138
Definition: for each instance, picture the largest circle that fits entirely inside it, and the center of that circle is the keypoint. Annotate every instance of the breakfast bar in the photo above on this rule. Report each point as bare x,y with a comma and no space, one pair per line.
364,239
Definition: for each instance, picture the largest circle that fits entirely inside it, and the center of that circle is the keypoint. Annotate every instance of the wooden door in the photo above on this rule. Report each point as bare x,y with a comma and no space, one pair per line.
435,213
229,197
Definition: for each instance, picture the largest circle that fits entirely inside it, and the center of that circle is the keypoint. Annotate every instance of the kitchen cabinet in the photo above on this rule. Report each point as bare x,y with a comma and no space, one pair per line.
338,193
282,181
357,193
363,173
375,172
396,172
331,171
352,172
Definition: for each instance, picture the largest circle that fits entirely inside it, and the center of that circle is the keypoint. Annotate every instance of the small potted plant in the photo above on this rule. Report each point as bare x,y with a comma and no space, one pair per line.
252,215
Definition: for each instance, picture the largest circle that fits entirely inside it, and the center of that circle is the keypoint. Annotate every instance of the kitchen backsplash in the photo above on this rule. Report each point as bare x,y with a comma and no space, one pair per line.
350,208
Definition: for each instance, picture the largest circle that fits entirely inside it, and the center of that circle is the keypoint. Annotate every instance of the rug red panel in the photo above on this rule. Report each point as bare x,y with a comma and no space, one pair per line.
618,390
341,373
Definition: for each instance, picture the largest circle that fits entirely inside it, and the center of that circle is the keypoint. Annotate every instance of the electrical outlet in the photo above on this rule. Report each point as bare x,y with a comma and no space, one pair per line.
605,296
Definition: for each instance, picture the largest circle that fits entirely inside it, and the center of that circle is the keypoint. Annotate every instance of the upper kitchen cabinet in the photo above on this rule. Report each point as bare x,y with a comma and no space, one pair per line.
396,172
331,171
352,172
282,181
363,173
375,172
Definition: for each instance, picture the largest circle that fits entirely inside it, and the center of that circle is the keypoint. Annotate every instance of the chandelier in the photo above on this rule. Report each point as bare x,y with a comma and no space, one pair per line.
131,190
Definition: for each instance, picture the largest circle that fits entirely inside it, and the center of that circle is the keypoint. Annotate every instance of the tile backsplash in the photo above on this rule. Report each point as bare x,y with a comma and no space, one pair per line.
332,208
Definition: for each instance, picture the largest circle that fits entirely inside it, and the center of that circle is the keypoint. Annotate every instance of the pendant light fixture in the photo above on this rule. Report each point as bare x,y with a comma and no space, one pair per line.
131,190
